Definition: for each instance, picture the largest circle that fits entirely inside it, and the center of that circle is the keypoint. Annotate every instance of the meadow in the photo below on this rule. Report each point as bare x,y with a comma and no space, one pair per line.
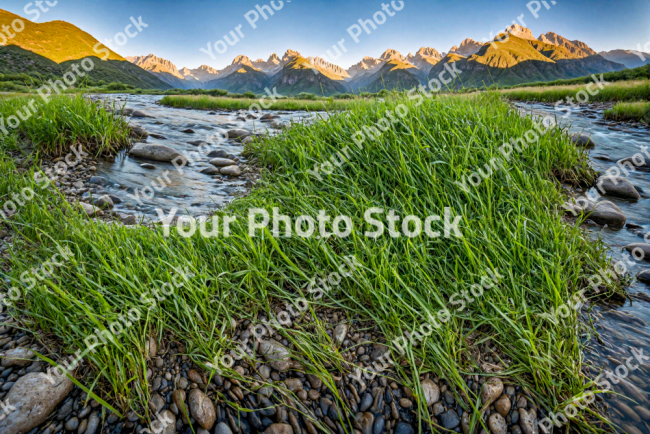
512,222
633,111
217,103
633,90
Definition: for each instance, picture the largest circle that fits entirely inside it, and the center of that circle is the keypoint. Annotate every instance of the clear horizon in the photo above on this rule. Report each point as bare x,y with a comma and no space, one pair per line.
178,31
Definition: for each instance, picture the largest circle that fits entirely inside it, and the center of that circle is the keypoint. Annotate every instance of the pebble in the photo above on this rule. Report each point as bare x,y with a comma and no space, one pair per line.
201,408
528,421
502,405
497,424
405,403
450,419
492,389
431,392
279,428
72,424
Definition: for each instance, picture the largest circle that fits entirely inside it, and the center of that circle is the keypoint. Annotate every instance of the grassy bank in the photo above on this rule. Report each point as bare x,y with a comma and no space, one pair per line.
635,90
63,122
640,73
634,111
511,222
215,103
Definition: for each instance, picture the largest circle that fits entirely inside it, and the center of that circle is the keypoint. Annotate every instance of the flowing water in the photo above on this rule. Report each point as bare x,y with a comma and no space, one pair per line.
626,325
621,327
191,192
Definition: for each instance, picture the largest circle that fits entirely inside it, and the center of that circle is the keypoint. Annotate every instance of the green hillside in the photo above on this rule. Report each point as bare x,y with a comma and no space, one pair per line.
57,40
393,75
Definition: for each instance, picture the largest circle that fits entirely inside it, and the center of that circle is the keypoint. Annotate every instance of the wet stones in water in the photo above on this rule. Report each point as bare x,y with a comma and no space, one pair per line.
104,202
639,248
141,114
217,154
98,180
138,132
198,143
637,160
603,213
210,171
188,131
450,419
617,186
238,134
222,162
147,166
644,276
230,171
126,112
158,136
582,140
156,153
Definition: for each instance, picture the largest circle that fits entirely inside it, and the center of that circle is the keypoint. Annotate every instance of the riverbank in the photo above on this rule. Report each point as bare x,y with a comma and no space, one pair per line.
400,288
285,104
634,90
630,112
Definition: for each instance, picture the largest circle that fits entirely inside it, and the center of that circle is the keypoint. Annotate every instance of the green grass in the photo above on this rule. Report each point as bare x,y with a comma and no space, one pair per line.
511,222
215,103
640,73
634,111
617,91
66,121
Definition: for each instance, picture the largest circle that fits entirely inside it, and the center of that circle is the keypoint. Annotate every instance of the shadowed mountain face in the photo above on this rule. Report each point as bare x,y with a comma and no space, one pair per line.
629,58
300,75
245,78
520,60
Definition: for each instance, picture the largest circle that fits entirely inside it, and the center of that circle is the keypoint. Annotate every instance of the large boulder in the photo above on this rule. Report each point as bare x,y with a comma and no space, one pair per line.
606,213
238,134
33,399
617,186
582,140
156,153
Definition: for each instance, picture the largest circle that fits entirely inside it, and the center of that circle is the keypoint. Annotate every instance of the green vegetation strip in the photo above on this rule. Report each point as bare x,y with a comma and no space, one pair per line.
634,111
615,91
640,73
63,122
511,223
216,103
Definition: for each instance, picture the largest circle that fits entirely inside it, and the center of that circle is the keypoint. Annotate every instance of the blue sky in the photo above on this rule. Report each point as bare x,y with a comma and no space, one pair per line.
177,30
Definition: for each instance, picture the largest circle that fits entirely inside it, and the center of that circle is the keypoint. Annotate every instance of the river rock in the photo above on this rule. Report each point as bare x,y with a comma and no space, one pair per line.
502,405
222,162
238,134
431,392
637,160
158,136
364,422
450,419
643,276
198,143
98,180
138,132
141,114
230,171
179,399
606,213
89,209
267,117
222,428
340,332
201,408
17,357
168,421
617,186
276,354
105,202
497,424
93,424
293,384
582,140
492,389
157,153
643,412
72,424
279,428
465,422
639,248
248,140
210,171
148,166
188,131
528,421
220,153
34,398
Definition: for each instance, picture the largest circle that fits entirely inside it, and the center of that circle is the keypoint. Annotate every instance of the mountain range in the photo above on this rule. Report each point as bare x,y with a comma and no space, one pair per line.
51,48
